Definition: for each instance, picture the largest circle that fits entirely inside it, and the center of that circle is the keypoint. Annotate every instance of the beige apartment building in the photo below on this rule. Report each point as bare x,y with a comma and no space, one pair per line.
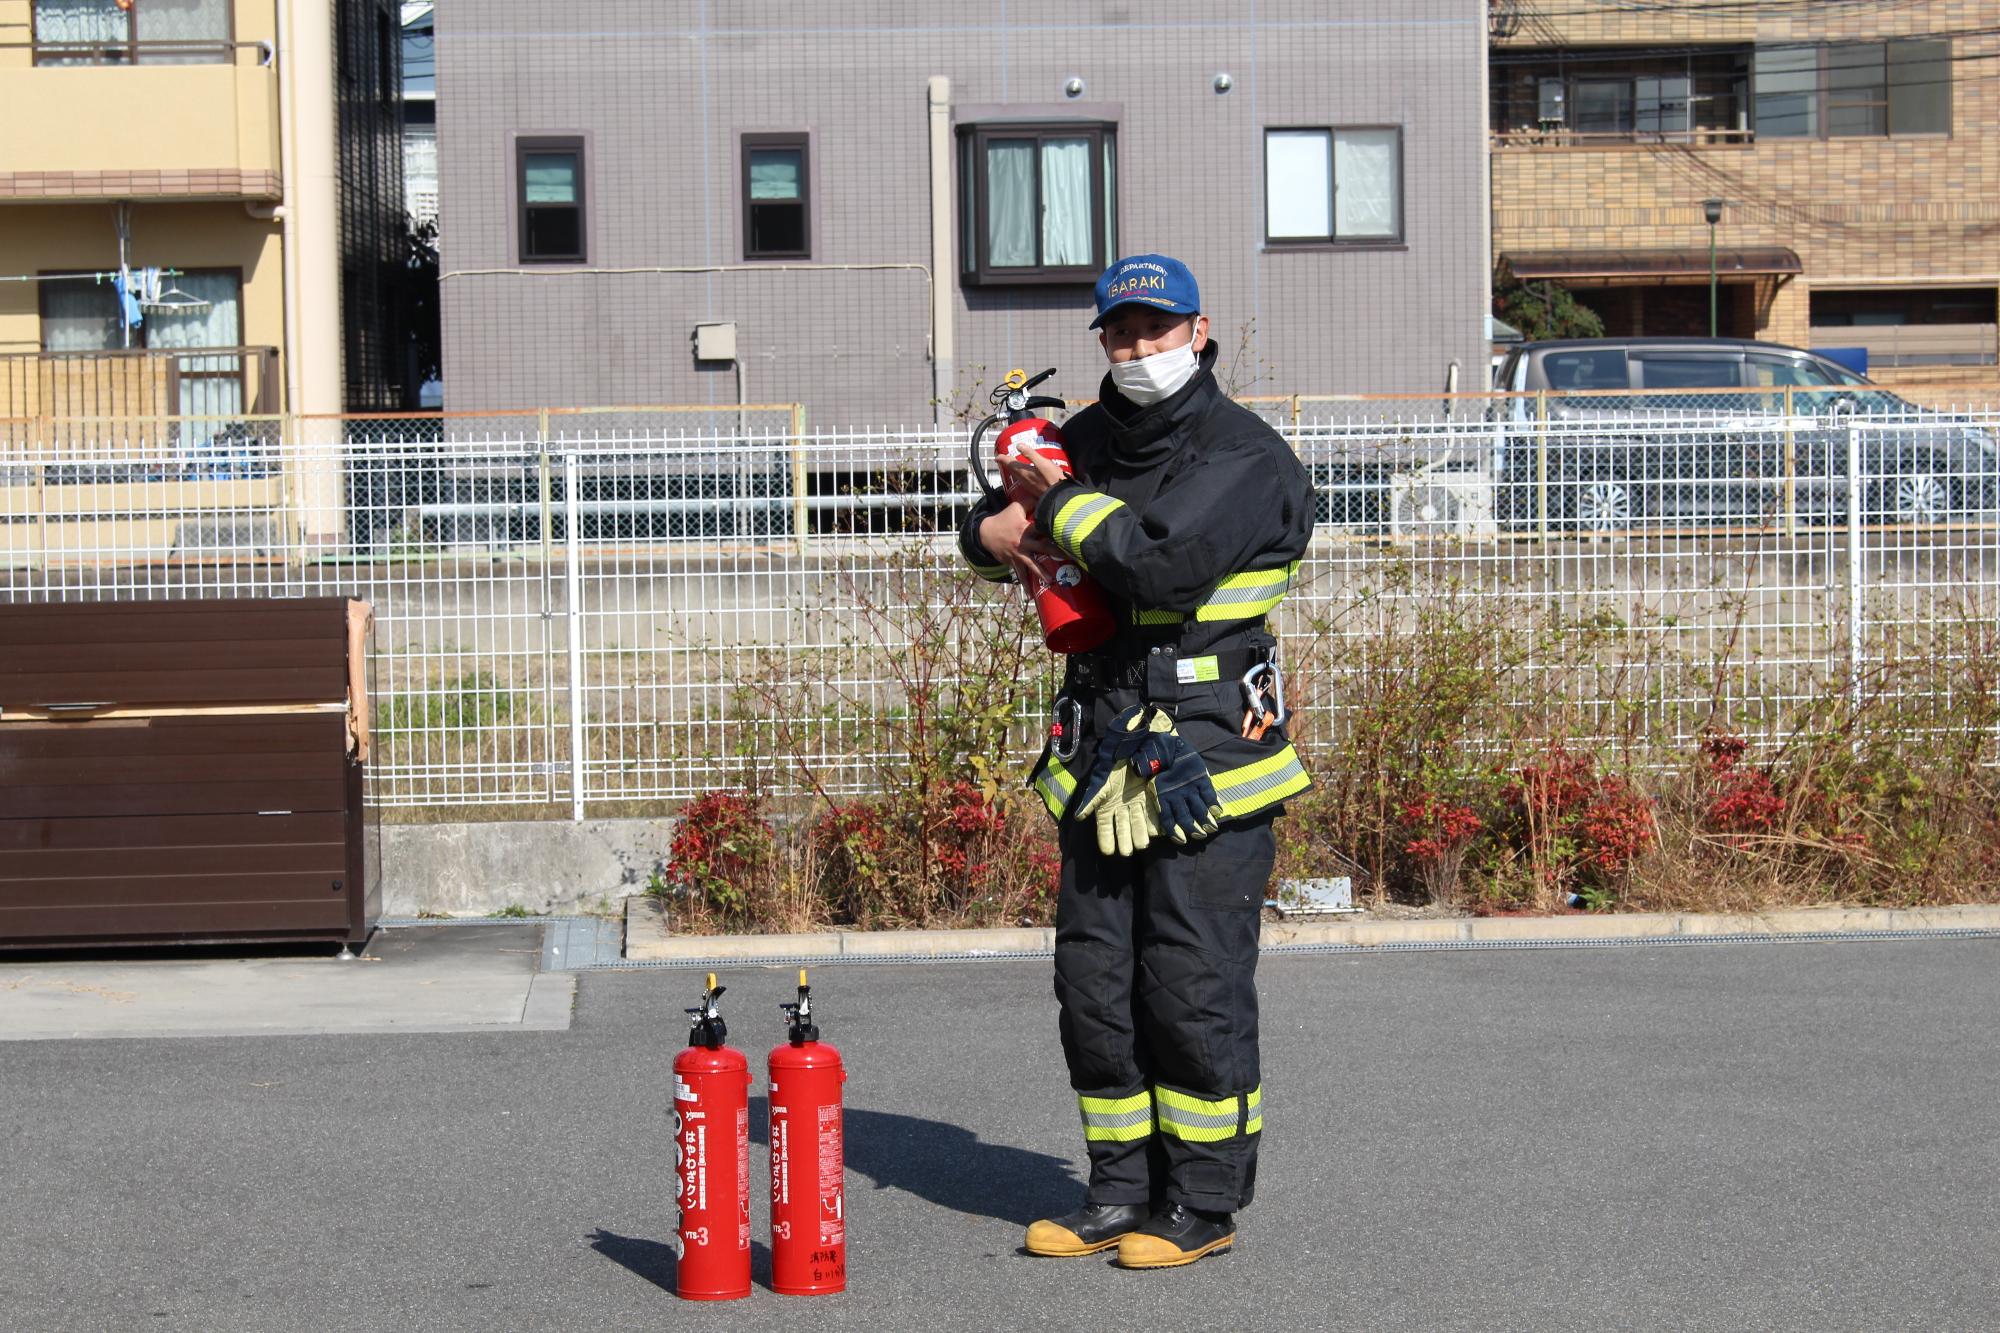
1849,152
219,158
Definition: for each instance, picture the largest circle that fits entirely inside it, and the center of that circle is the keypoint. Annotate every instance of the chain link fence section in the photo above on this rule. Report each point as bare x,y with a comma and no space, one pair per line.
581,610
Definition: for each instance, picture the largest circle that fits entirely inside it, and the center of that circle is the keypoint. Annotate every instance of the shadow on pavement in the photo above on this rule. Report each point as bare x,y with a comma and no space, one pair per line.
948,1165
658,1264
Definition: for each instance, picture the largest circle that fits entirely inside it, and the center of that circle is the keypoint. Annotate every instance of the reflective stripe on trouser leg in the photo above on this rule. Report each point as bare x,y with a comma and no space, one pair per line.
1205,1120
1196,1007
1117,1119
1093,984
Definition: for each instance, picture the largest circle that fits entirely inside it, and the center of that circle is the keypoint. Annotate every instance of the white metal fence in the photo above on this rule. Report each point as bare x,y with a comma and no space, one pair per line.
621,607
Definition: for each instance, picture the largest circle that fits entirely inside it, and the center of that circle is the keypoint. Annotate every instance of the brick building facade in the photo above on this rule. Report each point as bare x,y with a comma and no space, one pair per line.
1854,149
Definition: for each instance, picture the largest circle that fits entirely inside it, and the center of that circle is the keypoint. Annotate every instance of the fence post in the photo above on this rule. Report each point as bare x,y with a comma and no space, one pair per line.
1542,464
543,491
1791,499
573,576
40,556
292,448
1856,486
800,515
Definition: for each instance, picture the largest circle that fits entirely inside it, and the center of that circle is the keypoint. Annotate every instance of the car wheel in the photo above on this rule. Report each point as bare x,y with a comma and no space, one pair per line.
1917,490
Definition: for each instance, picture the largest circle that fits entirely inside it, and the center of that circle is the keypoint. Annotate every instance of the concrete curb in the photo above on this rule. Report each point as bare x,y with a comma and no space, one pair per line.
649,941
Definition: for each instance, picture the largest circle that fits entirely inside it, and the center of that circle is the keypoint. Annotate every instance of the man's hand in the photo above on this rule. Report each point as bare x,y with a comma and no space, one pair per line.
1010,536
1031,475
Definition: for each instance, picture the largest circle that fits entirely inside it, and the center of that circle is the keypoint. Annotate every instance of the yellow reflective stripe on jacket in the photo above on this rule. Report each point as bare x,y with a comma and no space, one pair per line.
1248,595
1244,596
1117,1119
1055,785
1196,1120
1254,786
1079,517
1255,1111
992,573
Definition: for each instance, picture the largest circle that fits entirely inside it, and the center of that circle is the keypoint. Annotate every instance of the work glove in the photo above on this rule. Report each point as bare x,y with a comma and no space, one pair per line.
1114,797
1186,801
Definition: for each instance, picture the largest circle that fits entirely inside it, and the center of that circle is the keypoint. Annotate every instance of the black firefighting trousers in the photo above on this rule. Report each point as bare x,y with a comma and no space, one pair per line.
1156,963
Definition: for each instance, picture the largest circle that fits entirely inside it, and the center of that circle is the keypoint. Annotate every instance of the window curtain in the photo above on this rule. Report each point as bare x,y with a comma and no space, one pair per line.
1366,191
1010,203
211,386
1066,202
774,173
83,22
188,22
79,315
551,178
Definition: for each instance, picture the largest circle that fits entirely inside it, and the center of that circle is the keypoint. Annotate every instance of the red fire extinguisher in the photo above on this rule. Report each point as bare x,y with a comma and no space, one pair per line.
712,1152
1072,610
808,1194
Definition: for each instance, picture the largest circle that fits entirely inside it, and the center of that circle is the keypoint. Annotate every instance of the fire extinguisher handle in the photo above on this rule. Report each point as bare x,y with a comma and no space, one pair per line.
976,457
1039,401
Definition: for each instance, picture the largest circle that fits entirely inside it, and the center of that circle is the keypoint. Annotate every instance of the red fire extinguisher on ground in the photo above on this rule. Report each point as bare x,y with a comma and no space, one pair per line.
1072,610
808,1194
712,1152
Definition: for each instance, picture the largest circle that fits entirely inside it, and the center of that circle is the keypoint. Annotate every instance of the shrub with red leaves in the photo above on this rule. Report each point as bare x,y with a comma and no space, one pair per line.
1616,826
1574,822
721,849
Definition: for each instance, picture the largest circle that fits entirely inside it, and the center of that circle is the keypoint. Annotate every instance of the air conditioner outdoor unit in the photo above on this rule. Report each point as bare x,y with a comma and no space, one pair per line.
1428,504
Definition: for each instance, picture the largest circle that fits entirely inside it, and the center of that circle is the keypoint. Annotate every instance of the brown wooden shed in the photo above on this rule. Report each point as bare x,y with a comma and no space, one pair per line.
184,771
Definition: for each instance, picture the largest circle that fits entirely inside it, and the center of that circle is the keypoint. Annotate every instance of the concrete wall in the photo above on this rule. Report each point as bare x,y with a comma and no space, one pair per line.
544,866
663,90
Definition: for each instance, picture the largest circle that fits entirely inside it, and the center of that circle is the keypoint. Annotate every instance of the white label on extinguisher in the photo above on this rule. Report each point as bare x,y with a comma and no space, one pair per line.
694,1165
743,1177
781,1158
832,1202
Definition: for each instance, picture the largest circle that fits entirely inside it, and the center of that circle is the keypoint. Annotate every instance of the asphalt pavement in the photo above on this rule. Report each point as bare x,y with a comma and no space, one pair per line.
1714,1136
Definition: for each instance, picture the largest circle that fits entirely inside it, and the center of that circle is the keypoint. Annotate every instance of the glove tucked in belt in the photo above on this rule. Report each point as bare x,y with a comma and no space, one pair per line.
1146,780
1186,798
1113,795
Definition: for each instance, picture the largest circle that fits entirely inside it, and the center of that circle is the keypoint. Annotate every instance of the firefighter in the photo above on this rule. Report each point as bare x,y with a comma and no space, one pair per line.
1191,514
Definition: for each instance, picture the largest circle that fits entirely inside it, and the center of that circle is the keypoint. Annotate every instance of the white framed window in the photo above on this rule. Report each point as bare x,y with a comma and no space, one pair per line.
1335,185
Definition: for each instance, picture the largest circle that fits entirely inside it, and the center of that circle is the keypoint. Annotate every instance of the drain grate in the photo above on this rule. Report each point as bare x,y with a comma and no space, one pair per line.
1400,946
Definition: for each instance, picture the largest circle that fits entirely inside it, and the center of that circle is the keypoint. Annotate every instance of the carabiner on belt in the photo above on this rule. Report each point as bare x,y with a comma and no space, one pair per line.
1065,728
1264,700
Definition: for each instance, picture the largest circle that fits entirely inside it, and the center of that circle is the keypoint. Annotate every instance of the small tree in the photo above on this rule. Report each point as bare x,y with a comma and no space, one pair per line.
1544,310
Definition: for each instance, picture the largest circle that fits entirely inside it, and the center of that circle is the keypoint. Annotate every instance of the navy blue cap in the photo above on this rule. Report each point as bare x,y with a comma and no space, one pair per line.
1153,280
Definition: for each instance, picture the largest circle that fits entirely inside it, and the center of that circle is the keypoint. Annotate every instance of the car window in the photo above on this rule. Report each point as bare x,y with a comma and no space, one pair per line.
1779,371
1585,369
1690,372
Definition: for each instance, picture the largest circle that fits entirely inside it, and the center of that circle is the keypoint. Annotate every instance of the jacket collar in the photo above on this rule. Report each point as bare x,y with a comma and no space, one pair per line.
1143,434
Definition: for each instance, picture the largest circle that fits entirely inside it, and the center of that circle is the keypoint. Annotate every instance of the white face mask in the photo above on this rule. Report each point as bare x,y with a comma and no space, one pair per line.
1150,379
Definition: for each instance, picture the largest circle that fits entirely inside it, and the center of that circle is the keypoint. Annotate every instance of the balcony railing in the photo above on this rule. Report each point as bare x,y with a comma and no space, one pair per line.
1558,136
1894,345
138,387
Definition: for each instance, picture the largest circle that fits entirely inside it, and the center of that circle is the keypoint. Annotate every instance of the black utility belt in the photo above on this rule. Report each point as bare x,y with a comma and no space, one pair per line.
1100,671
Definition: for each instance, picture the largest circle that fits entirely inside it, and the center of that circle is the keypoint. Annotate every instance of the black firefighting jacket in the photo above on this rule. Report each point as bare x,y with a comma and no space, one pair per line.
1191,515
